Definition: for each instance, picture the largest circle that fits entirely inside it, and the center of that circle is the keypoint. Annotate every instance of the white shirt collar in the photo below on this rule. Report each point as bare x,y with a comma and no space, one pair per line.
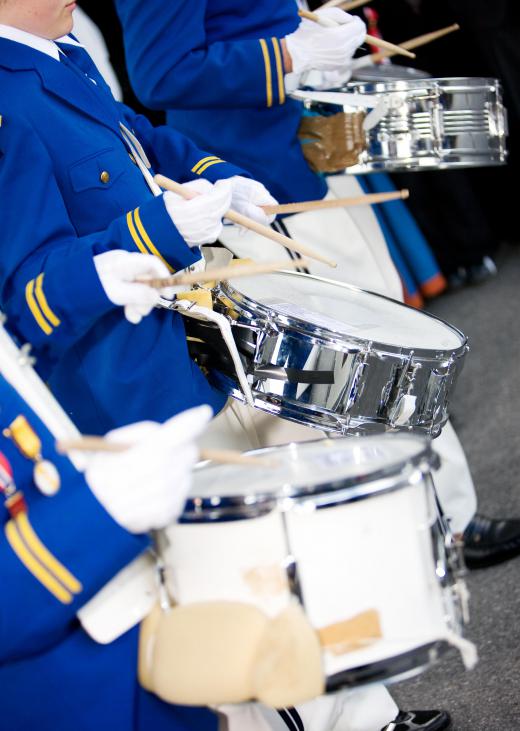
39,44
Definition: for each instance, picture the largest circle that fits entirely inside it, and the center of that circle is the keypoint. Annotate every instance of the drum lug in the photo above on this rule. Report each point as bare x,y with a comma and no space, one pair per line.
357,384
402,407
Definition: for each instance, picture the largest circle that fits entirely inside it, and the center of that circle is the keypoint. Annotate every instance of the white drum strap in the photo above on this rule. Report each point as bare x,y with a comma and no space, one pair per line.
141,159
380,104
190,309
144,166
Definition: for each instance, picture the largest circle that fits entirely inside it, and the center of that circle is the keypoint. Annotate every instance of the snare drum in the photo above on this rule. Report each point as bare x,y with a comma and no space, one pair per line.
332,356
419,124
346,527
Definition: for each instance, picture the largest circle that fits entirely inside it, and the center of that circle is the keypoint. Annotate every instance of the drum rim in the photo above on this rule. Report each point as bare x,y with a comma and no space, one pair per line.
449,83
323,493
338,341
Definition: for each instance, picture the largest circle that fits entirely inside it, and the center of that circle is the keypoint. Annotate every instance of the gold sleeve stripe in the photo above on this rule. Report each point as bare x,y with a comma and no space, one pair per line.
42,301
45,557
148,242
32,565
29,296
133,232
279,70
201,162
268,74
208,165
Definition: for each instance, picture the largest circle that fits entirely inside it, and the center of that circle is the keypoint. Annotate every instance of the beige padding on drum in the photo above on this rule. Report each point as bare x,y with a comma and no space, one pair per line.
288,667
228,652
332,143
145,655
203,653
351,634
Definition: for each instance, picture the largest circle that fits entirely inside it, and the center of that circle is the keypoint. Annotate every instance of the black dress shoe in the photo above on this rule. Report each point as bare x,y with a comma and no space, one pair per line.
488,541
420,721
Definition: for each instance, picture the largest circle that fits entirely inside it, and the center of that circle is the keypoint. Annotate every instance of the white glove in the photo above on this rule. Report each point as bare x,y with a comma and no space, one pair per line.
199,220
248,196
145,487
327,80
117,271
313,46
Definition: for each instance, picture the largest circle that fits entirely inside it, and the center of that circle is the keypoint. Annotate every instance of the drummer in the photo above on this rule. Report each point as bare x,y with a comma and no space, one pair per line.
81,224
225,78
63,538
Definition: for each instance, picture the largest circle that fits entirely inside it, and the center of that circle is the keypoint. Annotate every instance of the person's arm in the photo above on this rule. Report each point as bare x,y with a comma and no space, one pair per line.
50,289
171,65
60,553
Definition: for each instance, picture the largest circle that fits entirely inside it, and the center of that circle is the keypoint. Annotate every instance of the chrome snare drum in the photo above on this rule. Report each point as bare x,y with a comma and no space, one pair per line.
414,124
349,529
333,356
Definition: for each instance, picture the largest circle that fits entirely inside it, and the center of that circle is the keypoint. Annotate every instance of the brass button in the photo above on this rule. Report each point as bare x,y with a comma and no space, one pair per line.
105,177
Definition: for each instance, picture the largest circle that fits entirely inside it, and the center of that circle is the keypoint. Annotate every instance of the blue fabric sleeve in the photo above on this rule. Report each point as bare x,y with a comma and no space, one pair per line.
49,287
172,64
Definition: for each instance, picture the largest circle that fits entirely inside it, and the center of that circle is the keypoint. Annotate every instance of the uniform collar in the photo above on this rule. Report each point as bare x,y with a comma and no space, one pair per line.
35,42
57,78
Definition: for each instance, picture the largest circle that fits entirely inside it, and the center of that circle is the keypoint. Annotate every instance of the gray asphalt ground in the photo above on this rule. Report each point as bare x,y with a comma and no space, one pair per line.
486,415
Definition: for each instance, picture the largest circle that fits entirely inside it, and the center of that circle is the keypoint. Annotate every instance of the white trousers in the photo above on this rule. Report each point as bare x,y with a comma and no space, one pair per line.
365,709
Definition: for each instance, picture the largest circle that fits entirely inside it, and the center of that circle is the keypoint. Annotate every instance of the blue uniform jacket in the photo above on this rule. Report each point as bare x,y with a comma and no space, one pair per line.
68,191
216,66
53,677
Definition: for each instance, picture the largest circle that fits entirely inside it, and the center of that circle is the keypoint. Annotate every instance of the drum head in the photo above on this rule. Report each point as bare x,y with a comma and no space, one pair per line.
388,72
342,310
307,470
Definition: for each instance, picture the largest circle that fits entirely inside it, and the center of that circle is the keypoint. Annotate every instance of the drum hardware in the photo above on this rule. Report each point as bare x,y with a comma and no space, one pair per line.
415,124
333,373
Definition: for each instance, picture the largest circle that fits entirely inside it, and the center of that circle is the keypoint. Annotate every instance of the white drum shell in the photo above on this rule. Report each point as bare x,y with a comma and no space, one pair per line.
338,554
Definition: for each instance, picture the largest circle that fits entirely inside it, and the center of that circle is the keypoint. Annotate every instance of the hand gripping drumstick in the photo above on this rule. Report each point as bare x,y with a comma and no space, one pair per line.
220,273
378,42
246,222
417,42
221,456
360,200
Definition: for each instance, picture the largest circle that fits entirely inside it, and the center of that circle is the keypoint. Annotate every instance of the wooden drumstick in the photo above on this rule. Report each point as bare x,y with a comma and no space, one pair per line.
221,456
221,273
417,42
378,42
361,200
248,223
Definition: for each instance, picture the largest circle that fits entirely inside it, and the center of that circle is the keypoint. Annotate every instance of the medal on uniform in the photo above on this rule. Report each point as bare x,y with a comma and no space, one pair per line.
14,499
45,475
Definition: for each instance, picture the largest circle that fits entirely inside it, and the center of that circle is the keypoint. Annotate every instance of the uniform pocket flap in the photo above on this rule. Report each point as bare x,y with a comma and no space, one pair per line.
99,170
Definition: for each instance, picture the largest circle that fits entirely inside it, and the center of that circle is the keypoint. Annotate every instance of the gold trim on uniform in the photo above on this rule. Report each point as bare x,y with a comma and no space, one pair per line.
195,168
141,238
35,310
208,165
268,72
34,566
42,301
279,69
147,241
133,233
45,557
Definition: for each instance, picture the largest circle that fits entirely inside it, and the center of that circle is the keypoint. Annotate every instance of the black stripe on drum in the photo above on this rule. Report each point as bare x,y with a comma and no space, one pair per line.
292,719
281,228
